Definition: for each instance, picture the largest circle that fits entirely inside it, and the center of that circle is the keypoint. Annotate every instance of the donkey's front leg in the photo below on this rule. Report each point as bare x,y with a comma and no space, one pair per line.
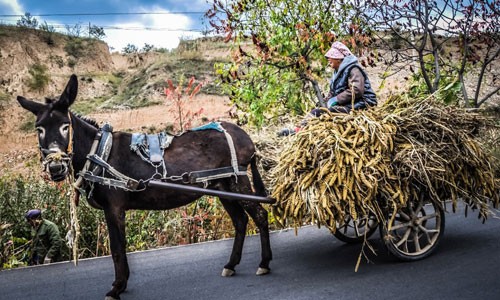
115,219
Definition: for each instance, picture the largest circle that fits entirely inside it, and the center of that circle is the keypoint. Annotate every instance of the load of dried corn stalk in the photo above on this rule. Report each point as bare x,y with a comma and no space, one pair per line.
348,164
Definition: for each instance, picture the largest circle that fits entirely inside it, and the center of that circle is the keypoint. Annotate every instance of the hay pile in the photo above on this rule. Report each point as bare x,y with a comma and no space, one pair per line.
351,163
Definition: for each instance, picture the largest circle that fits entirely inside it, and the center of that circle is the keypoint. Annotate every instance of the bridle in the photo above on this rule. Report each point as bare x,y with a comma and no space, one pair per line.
63,159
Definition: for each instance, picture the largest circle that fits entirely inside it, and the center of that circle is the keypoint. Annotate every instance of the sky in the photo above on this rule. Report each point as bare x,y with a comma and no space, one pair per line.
161,23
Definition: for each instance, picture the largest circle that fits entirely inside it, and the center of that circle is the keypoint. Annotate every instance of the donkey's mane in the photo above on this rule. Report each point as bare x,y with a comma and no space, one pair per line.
87,120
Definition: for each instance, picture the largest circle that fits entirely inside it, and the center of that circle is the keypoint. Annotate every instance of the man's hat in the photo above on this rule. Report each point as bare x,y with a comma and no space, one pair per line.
33,214
338,51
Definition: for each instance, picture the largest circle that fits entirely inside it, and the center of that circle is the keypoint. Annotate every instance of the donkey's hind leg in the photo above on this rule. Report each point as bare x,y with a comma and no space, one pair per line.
259,216
240,221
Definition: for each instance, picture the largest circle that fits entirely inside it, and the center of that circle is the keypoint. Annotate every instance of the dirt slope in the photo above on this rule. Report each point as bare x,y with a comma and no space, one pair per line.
101,76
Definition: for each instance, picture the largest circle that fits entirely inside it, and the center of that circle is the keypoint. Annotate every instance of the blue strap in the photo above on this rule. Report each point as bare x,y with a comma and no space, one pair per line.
211,125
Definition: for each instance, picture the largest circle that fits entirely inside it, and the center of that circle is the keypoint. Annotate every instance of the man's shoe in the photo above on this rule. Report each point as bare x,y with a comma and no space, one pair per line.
288,131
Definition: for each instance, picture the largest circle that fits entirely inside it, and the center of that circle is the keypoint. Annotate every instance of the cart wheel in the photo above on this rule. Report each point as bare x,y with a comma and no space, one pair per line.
415,231
353,231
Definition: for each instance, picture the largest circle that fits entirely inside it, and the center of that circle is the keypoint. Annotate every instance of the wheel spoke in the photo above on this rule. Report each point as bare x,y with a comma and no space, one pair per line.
428,230
428,233
419,207
356,229
427,217
348,219
345,228
404,238
405,247
404,215
400,225
416,241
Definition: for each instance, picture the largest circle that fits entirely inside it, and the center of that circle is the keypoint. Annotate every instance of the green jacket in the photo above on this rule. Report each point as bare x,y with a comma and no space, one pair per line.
47,242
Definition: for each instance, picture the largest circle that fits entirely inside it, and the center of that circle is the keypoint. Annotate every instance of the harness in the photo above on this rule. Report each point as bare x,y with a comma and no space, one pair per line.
96,167
151,149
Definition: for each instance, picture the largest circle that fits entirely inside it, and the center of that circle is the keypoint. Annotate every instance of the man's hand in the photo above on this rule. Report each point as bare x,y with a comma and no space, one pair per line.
332,102
47,260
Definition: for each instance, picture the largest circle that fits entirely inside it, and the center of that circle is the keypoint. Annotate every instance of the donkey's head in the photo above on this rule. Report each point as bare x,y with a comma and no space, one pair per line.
55,134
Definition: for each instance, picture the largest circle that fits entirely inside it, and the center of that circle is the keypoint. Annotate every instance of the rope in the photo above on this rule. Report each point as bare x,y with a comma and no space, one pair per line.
73,202
70,136
74,234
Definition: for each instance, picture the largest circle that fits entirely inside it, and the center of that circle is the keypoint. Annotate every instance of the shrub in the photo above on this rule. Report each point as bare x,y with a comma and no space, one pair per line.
28,124
199,221
75,47
147,48
47,33
96,32
4,100
39,77
17,195
71,62
129,49
58,60
28,21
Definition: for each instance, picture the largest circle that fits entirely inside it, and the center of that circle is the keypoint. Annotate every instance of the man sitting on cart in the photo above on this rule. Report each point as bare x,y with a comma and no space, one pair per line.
348,78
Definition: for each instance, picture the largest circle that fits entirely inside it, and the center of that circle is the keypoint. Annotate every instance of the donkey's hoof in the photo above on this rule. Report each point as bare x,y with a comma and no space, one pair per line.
227,272
110,298
262,271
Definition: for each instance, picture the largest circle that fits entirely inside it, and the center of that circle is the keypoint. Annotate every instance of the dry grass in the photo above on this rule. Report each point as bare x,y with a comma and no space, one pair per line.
354,164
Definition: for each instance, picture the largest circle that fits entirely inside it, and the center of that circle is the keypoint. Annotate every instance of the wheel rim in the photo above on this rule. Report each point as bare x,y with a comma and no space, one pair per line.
416,229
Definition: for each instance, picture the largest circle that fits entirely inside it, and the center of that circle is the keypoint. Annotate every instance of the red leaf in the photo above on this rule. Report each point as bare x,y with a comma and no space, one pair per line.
196,90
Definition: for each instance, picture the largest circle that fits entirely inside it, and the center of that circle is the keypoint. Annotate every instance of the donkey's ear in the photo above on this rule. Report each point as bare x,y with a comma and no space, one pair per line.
32,106
68,96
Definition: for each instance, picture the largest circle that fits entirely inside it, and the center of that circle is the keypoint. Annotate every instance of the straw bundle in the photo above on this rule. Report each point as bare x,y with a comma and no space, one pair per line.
342,164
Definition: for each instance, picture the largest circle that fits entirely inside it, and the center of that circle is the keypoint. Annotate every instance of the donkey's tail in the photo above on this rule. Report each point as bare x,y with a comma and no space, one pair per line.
258,184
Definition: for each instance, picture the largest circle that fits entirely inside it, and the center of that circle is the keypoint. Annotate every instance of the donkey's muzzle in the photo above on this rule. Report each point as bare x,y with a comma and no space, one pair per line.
56,164
57,170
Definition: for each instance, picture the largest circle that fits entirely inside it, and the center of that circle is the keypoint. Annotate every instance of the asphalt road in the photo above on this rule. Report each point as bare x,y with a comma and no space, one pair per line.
311,265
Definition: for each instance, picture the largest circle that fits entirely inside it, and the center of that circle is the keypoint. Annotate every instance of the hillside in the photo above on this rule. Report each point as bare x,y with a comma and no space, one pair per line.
125,90
21,48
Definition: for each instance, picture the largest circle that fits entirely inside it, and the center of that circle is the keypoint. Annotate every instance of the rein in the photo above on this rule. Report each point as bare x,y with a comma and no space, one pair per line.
74,198
73,234
70,136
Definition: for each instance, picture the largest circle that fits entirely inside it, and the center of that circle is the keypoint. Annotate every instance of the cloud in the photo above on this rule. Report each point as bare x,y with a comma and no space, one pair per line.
159,30
162,29
11,7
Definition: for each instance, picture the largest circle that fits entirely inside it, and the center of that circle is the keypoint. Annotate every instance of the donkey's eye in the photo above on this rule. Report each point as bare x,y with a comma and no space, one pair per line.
64,129
41,131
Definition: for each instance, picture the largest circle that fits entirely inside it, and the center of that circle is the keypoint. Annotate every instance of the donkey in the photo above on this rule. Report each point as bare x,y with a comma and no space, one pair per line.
65,140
